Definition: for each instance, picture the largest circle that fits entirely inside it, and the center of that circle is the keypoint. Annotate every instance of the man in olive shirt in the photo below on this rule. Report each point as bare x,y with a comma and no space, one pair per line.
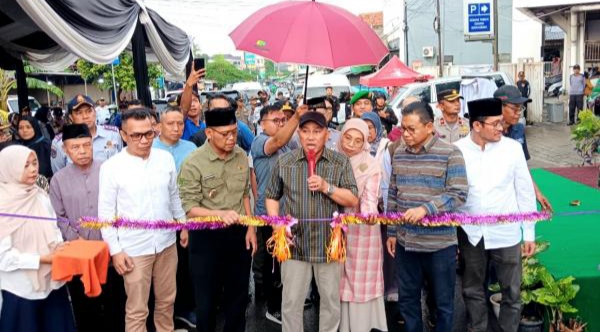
331,188
450,126
214,181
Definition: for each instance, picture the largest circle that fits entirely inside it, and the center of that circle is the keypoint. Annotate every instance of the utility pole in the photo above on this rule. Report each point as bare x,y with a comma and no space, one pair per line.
438,29
405,32
495,42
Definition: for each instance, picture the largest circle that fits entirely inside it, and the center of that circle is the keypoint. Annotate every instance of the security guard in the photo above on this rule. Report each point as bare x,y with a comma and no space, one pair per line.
214,181
450,126
106,139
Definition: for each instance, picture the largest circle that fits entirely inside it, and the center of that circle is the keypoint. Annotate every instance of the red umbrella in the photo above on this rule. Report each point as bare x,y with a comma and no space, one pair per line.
310,33
394,73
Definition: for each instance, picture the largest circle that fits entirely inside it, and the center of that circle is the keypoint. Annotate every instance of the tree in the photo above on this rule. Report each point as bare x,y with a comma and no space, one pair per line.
124,76
8,83
223,72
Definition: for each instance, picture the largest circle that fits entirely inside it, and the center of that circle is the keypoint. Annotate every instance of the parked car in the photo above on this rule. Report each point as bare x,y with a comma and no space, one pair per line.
427,91
247,88
233,94
160,104
318,83
13,104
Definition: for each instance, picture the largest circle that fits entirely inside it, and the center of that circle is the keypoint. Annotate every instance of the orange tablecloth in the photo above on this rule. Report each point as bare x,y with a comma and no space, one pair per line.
86,258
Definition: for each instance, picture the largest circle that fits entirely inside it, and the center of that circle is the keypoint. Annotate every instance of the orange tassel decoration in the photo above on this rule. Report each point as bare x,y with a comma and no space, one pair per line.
336,251
278,245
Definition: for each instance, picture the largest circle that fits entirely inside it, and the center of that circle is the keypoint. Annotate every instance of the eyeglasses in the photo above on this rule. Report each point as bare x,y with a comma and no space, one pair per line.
227,134
135,137
515,108
279,121
497,124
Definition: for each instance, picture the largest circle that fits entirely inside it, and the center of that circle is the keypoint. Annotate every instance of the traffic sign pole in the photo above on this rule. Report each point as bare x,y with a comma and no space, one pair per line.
495,48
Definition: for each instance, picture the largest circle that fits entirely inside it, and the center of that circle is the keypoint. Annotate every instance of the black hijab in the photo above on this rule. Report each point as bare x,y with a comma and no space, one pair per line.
39,144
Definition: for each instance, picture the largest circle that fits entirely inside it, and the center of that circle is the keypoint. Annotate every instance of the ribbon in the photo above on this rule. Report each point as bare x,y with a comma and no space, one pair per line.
279,245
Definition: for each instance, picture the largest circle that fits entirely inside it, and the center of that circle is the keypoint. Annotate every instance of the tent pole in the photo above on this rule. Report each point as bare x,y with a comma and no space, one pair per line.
22,93
140,66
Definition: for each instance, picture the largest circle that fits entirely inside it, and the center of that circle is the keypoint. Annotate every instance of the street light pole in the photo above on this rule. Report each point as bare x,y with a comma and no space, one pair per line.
406,32
112,67
439,33
495,42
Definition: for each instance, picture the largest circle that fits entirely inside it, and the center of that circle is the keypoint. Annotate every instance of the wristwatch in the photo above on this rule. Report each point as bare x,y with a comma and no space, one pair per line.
330,190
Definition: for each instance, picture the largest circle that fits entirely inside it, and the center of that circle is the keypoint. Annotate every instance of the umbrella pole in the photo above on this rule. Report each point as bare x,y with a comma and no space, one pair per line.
305,85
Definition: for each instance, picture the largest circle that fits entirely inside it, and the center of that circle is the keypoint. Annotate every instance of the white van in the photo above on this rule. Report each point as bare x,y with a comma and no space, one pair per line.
427,91
247,88
13,104
318,83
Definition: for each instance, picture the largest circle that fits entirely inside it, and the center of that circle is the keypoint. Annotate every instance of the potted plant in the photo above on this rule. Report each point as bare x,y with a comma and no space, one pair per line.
555,295
586,136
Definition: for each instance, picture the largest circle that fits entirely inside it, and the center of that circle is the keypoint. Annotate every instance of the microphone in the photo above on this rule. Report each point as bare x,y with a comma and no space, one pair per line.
312,163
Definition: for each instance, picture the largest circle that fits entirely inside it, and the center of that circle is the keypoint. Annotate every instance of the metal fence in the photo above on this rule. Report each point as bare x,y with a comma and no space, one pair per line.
592,51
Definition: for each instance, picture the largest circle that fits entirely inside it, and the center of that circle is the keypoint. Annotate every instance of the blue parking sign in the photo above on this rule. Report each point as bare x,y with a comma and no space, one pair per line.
478,17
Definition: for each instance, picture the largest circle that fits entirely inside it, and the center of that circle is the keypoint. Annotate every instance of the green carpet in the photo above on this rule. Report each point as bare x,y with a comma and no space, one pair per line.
574,240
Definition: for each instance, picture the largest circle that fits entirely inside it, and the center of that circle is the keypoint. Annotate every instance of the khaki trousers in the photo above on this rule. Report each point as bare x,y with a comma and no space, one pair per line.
159,269
296,276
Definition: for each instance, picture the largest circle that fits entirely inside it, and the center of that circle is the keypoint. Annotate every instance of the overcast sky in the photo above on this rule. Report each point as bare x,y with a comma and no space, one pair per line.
209,22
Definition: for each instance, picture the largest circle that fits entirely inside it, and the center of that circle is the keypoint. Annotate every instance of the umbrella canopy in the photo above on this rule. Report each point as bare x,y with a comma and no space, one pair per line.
394,73
311,33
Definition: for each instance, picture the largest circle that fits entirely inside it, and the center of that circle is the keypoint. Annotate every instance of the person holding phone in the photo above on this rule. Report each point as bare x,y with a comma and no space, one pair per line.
190,101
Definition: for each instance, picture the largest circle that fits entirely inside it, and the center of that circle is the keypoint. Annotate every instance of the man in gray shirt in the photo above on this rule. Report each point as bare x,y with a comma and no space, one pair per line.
74,194
576,87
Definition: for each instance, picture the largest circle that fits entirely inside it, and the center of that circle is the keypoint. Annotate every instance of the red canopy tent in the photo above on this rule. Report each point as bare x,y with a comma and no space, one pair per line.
394,73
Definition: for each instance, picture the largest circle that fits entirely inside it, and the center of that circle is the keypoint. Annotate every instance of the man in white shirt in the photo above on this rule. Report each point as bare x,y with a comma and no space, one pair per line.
140,183
102,112
499,183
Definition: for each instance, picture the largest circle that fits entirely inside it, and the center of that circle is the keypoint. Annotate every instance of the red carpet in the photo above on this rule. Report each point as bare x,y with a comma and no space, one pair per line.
587,175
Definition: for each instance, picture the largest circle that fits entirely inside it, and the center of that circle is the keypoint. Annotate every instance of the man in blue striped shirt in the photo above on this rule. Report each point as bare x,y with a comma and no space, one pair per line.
428,177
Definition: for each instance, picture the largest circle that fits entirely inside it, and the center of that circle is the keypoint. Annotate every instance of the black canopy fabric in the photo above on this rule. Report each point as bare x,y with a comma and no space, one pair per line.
52,34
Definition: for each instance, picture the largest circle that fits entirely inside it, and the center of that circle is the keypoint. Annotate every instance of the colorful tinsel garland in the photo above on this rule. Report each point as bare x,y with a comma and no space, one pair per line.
279,245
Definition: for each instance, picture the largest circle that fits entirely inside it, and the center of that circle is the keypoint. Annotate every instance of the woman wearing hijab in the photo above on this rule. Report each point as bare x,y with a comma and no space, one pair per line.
43,117
361,284
379,150
30,135
31,300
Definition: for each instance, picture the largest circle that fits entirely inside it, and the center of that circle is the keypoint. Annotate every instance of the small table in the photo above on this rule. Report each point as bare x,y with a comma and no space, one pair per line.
86,258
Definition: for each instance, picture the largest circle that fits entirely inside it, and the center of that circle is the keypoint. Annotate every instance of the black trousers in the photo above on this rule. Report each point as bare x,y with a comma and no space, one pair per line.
105,312
507,263
575,103
220,269
271,274
184,301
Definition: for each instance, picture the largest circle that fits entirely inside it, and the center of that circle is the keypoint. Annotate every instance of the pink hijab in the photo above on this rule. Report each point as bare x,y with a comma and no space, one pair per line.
363,164
27,235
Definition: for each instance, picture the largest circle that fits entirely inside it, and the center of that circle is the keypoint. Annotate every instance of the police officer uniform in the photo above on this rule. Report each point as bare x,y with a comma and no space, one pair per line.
451,132
106,143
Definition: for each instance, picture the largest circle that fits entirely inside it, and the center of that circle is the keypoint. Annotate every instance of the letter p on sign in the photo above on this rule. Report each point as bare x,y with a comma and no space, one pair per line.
473,9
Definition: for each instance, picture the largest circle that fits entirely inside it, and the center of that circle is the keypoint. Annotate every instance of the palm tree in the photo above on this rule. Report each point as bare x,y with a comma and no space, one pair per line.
8,82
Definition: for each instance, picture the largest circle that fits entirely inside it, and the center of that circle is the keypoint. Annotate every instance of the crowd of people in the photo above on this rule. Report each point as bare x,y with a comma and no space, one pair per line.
225,160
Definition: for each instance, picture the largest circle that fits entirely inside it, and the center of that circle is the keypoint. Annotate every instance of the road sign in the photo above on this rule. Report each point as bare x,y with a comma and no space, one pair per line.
478,19
116,62
249,59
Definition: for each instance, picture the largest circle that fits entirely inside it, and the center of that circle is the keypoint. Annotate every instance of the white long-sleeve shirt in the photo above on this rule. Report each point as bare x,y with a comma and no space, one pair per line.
499,183
14,265
141,190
